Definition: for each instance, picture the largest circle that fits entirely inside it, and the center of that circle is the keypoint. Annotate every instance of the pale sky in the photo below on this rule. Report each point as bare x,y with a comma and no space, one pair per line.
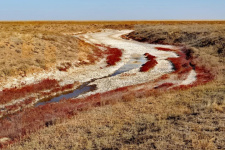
112,10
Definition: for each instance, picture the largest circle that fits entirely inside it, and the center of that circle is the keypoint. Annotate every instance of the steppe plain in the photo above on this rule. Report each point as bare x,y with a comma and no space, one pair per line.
41,59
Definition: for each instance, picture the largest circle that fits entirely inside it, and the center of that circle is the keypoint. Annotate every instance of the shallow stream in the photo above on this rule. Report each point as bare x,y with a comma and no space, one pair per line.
135,62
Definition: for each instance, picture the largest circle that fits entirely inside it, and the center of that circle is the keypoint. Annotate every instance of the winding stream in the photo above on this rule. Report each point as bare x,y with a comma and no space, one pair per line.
134,63
131,60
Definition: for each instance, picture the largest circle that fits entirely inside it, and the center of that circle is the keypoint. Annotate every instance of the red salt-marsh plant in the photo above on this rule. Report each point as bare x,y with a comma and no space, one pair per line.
35,118
149,64
27,97
181,64
149,56
164,86
10,94
114,55
164,49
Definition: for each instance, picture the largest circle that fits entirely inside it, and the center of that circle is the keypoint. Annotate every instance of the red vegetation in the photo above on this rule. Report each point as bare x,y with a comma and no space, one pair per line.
114,55
8,95
181,65
164,49
39,117
149,64
66,87
164,86
35,118
163,77
97,54
99,45
45,115
203,76
27,91
149,56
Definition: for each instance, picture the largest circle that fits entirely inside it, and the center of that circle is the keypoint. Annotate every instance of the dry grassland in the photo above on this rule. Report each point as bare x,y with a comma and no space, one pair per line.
182,119
27,47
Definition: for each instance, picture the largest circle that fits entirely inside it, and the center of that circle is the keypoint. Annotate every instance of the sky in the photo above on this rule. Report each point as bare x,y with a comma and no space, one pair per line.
112,10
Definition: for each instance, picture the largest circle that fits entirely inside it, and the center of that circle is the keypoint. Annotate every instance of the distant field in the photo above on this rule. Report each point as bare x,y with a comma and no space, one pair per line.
27,47
179,119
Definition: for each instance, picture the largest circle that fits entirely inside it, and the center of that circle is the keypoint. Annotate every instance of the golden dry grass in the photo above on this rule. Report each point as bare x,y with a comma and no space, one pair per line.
27,47
192,119
23,50
183,119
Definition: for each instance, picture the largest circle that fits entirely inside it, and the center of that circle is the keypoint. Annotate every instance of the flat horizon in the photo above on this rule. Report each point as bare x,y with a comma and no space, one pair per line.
222,20
13,10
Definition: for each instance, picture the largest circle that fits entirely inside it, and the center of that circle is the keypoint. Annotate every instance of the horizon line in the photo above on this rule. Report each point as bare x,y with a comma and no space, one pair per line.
109,20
